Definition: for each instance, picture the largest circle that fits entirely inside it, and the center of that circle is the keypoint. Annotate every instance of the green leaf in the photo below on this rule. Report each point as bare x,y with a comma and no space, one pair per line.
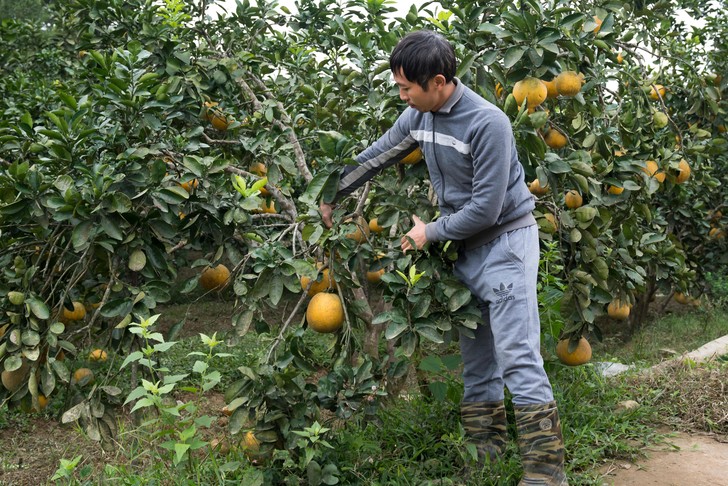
315,187
458,299
38,308
30,338
431,363
111,229
81,234
180,451
421,306
330,142
394,329
135,356
13,363
513,55
430,333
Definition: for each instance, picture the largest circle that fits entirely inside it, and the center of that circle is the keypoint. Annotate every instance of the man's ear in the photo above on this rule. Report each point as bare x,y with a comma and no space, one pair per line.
439,80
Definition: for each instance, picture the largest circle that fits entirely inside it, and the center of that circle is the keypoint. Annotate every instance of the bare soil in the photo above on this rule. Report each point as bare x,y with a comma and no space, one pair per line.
684,459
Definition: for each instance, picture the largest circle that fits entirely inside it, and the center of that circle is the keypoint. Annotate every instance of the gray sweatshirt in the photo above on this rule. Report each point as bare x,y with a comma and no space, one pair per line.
471,156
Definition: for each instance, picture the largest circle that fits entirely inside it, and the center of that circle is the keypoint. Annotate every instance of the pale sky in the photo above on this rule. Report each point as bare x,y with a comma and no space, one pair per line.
402,6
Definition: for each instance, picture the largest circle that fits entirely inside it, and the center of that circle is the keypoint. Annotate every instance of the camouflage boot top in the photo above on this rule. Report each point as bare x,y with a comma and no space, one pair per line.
486,427
541,445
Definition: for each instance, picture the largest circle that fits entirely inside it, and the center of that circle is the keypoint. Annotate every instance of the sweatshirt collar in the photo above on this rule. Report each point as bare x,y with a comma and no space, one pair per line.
454,97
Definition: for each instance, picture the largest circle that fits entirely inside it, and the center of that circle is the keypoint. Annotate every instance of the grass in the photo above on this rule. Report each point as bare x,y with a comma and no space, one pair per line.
419,441
681,331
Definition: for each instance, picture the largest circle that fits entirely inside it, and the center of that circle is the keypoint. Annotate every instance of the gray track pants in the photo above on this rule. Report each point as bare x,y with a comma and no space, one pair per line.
506,350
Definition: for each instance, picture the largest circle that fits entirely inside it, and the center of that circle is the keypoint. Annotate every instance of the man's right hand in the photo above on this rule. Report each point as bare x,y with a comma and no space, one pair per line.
326,213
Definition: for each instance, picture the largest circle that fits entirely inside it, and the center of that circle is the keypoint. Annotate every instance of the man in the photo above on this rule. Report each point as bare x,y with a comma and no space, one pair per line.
484,204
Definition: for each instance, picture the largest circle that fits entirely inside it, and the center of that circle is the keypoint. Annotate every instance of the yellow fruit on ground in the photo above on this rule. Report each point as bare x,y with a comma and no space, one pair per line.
214,278
569,83
536,188
83,377
98,355
325,283
599,24
573,199
684,171
660,89
581,355
615,190
555,139
374,226
551,91
532,89
361,233
78,312
412,157
325,313
190,185
653,170
14,380
618,310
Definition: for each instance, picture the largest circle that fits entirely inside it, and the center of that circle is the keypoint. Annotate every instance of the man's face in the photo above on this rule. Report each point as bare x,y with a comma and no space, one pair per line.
417,98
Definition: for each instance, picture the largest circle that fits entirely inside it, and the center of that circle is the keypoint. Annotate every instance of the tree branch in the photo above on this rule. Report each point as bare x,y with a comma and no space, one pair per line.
285,125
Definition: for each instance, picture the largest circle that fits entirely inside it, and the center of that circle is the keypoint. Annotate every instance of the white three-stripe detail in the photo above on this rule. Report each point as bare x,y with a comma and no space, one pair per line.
441,139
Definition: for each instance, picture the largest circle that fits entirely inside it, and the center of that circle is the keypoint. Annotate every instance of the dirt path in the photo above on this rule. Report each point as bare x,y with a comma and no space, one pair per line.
687,459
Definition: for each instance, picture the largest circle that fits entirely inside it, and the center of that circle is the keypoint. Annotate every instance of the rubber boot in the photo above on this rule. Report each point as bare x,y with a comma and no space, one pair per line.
486,427
541,445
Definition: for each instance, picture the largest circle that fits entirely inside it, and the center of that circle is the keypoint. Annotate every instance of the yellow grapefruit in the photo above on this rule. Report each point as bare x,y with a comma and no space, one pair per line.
214,278
569,83
532,89
573,199
581,355
684,172
617,310
325,313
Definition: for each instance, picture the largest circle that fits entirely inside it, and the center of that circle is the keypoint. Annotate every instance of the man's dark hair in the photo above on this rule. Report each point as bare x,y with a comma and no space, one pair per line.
422,55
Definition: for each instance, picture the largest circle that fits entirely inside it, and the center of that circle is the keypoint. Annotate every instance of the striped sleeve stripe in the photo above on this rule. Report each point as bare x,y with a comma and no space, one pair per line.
366,170
442,139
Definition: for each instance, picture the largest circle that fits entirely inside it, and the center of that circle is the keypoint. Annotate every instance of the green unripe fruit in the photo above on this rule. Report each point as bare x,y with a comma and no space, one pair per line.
16,298
659,119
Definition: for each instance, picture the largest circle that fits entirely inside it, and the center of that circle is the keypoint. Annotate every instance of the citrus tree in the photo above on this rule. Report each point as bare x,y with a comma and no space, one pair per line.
161,139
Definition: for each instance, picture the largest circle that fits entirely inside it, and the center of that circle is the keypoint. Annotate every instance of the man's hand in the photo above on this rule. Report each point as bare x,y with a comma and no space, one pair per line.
326,212
417,233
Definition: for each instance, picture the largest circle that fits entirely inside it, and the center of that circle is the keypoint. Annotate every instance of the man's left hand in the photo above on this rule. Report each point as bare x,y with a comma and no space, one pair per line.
417,234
